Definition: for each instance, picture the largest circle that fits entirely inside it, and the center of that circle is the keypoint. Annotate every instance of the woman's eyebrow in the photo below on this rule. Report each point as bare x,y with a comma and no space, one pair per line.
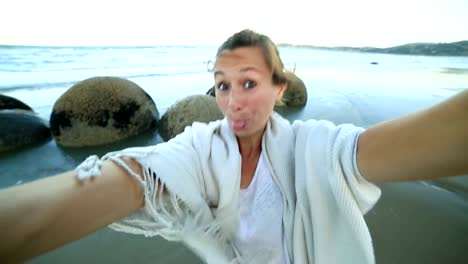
246,69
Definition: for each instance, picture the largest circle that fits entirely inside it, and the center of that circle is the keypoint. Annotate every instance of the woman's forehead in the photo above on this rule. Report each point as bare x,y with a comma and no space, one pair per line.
240,59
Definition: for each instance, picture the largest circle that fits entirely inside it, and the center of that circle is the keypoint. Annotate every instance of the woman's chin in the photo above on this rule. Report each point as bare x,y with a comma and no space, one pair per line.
248,133
241,133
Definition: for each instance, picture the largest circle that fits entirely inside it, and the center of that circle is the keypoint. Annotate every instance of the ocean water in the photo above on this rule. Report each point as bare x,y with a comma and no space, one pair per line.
419,222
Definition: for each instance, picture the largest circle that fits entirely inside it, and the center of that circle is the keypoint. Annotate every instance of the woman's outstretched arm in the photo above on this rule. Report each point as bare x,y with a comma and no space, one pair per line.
42,215
425,145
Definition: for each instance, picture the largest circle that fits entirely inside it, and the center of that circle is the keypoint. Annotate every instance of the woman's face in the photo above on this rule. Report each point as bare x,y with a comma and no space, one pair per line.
245,92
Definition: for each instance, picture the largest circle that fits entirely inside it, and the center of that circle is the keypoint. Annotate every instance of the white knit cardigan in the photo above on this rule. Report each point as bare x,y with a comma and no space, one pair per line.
192,187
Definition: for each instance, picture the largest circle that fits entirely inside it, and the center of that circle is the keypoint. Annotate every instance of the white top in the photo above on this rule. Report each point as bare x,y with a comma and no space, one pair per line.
260,235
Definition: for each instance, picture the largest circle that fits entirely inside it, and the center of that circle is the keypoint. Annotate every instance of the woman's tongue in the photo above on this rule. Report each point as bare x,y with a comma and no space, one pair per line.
238,124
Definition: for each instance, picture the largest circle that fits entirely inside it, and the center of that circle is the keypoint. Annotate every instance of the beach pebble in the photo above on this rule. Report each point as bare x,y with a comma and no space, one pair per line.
296,93
7,102
19,128
102,110
201,108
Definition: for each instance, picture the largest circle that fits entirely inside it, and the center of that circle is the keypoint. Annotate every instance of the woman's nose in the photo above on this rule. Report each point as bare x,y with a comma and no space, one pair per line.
236,99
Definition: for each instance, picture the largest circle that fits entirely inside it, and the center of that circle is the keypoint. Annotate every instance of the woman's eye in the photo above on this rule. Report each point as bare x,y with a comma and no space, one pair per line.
222,86
249,84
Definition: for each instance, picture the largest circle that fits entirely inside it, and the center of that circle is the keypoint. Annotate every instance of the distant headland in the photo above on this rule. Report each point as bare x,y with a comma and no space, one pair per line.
459,48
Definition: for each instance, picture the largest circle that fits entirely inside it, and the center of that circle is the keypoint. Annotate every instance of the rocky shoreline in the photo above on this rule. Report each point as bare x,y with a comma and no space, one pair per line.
104,110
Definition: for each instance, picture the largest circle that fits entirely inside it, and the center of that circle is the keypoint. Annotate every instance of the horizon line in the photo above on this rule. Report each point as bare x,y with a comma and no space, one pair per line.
206,45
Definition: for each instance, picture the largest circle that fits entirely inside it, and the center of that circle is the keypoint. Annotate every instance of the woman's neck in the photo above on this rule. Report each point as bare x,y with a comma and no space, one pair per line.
250,150
250,147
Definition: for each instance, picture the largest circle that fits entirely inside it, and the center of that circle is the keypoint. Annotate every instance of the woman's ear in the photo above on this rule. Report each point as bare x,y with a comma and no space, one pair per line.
281,89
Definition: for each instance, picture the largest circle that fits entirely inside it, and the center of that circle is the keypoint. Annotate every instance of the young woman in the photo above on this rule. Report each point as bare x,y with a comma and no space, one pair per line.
250,188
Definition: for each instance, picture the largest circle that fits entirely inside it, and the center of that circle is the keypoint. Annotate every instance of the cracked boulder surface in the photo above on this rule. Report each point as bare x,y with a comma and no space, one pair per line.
102,110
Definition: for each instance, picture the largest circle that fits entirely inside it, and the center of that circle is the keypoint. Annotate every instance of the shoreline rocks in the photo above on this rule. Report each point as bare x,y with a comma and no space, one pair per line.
102,110
200,108
20,128
7,102
19,125
296,93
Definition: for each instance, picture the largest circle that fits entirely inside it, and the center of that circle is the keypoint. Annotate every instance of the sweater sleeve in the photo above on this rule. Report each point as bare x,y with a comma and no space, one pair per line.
334,148
365,193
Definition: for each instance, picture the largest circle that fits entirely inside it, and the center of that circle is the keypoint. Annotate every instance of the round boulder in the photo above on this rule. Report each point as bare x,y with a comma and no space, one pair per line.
296,93
211,91
7,102
102,110
21,128
201,108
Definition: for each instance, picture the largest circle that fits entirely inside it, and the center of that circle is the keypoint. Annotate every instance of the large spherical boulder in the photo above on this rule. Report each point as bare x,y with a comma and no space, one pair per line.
7,102
296,93
211,91
102,110
21,128
201,108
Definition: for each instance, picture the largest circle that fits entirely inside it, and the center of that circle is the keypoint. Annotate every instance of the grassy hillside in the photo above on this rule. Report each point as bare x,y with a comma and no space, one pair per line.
459,48
438,49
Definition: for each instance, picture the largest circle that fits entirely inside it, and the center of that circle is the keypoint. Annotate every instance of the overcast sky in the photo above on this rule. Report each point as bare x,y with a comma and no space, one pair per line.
375,23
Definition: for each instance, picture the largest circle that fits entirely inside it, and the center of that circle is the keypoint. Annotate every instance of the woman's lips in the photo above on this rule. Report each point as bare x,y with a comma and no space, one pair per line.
238,124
